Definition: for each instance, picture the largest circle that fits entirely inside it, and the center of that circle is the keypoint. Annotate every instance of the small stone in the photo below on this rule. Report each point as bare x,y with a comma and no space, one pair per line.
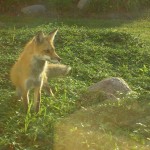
34,10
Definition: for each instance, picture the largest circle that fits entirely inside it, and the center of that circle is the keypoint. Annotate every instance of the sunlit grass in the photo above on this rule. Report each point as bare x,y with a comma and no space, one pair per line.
95,49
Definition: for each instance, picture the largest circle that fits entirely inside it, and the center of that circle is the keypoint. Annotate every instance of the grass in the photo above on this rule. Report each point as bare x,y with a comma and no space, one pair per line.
95,49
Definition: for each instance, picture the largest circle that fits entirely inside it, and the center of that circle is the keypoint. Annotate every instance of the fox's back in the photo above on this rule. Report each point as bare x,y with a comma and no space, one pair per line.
21,68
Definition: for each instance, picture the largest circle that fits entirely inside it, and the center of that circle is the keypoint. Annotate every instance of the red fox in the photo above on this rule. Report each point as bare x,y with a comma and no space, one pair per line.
31,69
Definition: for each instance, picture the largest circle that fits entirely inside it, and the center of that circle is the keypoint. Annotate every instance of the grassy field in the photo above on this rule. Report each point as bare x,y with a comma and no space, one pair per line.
95,49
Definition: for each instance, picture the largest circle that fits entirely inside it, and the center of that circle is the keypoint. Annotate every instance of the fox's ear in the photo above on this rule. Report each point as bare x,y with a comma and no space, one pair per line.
39,37
52,35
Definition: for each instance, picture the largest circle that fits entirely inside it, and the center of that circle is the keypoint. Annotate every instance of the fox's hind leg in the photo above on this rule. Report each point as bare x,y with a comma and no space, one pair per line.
46,86
23,95
18,93
48,89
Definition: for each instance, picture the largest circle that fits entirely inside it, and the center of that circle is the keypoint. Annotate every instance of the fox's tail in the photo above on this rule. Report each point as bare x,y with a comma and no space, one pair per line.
57,70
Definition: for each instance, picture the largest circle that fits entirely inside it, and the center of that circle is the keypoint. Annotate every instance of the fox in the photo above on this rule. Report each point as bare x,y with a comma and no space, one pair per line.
32,68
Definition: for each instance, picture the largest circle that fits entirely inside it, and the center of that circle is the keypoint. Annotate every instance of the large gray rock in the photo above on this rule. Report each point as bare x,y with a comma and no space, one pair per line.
108,89
114,86
34,10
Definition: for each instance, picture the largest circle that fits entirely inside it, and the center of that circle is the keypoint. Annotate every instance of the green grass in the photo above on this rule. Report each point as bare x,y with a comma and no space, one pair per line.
95,49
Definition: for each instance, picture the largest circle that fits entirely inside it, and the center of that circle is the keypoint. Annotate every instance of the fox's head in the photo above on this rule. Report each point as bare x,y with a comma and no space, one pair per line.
44,47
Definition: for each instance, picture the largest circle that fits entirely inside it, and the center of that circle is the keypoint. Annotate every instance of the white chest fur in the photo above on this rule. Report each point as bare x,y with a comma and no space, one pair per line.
37,73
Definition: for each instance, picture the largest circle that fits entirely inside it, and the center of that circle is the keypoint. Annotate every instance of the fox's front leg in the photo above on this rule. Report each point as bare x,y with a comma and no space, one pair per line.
37,99
25,98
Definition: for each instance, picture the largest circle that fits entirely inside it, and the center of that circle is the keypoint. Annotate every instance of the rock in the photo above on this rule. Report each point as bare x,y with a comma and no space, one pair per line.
34,10
114,86
108,89
82,3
